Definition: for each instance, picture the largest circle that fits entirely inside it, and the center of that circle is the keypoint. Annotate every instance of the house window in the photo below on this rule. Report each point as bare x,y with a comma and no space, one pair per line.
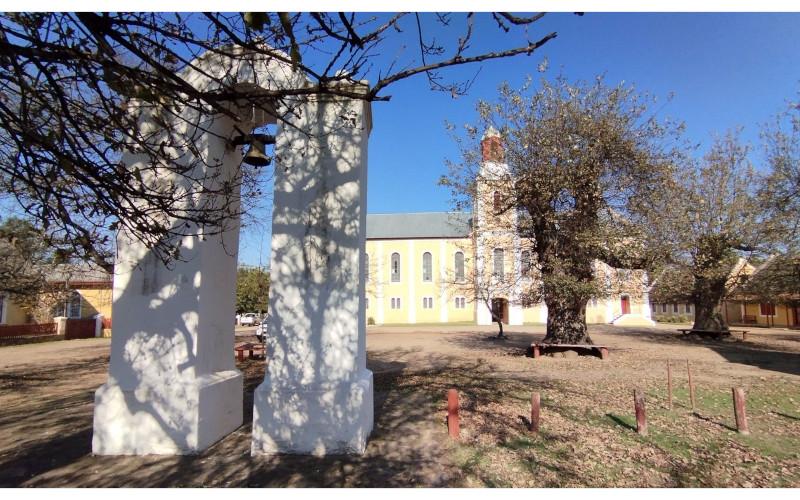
674,308
366,301
427,302
497,202
663,308
395,302
427,266
2,309
461,303
395,267
688,308
459,266
71,308
767,309
498,263
525,263
366,266
594,302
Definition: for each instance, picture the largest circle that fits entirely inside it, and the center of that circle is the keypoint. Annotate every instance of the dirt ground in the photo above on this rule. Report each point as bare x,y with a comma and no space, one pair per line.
587,433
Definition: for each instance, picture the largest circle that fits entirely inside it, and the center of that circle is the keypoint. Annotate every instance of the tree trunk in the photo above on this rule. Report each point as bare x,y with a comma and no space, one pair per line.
707,297
500,325
566,322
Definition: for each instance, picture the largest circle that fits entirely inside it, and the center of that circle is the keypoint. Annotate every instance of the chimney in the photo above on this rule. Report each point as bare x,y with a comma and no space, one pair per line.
492,146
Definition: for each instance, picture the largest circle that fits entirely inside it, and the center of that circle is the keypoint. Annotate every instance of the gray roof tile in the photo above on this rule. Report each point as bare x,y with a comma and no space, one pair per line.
419,225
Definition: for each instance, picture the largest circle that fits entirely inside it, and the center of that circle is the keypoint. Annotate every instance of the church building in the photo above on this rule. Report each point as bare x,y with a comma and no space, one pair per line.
458,267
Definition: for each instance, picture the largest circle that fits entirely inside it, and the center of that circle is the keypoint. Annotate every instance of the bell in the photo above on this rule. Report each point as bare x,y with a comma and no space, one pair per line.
255,155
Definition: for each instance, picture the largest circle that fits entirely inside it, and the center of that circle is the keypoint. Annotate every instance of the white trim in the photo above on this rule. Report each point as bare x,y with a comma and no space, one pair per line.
379,285
3,309
412,310
443,305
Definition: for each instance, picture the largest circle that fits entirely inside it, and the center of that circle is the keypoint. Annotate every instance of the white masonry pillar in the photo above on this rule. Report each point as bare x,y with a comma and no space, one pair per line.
316,397
172,384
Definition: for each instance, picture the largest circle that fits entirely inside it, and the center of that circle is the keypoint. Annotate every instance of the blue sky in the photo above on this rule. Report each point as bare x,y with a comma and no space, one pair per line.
725,70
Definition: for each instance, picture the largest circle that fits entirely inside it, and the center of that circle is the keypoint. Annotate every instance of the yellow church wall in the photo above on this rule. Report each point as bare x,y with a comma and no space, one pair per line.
465,290
412,288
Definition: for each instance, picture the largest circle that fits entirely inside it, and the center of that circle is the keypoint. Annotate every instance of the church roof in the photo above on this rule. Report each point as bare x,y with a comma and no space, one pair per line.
419,225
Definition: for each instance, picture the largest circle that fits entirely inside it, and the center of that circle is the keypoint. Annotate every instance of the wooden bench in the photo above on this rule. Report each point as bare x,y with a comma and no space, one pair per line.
715,334
251,349
599,350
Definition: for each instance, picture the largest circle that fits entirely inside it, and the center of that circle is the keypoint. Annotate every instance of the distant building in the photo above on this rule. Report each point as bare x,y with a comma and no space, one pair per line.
82,291
415,262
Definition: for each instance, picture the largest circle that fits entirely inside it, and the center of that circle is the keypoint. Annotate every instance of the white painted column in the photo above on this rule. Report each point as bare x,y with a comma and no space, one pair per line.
411,274
484,314
379,296
443,305
646,312
514,306
173,387
316,397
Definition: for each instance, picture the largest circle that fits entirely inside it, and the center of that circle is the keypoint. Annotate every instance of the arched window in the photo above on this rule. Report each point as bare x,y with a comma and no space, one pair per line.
366,266
395,267
525,267
459,266
498,263
497,201
427,267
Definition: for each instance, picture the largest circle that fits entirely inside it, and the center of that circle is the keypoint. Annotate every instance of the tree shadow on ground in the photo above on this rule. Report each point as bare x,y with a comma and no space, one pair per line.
756,351
407,446
517,342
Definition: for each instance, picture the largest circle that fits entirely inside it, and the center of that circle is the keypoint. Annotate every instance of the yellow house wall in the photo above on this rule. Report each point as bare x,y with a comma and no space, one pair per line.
94,301
779,320
14,314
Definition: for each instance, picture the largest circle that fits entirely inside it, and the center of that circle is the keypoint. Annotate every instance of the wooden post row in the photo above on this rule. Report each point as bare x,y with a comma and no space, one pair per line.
536,402
739,410
453,427
641,415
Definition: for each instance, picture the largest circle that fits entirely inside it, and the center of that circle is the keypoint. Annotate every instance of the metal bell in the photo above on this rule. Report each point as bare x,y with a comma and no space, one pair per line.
255,155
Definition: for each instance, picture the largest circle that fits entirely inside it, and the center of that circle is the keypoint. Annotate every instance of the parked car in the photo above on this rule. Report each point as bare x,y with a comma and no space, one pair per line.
249,319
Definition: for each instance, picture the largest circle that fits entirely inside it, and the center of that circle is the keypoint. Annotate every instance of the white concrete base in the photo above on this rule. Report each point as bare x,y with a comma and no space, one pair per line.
324,420
633,320
139,422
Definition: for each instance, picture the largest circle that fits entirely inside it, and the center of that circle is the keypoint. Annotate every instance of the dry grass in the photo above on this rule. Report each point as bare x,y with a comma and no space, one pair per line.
587,436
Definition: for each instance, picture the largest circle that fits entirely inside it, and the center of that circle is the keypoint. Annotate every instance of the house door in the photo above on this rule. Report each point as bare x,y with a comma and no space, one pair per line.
626,304
500,310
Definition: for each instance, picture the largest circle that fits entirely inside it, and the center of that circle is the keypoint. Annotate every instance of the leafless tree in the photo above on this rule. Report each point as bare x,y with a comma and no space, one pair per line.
68,81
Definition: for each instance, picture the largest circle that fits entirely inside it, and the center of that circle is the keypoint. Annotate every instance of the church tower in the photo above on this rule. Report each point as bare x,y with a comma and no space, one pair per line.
497,245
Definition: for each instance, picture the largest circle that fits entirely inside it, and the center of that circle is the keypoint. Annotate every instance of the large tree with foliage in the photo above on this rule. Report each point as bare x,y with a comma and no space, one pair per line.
583,159
781,191
710,217
25,258
68,81
252,289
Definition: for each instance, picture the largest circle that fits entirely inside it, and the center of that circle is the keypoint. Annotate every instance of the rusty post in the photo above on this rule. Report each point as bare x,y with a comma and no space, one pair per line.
536,402
452,413
739,410
641,415
691,386
669,385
